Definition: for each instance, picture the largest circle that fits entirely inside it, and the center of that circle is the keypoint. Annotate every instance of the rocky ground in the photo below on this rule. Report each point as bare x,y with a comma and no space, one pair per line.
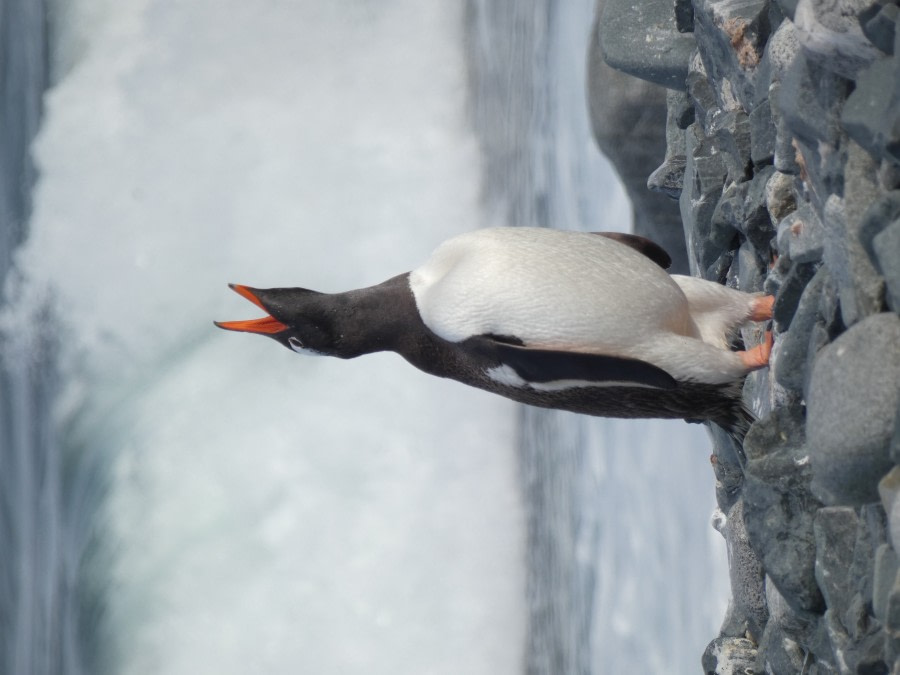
782,149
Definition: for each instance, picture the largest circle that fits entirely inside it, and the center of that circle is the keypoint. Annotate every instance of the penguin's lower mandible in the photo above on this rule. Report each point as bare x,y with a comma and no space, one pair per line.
579,321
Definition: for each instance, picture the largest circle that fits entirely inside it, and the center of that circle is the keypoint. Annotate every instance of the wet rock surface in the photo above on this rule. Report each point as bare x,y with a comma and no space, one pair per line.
782,153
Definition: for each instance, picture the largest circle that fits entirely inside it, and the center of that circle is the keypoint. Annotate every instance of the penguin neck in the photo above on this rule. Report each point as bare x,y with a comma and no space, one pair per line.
375,319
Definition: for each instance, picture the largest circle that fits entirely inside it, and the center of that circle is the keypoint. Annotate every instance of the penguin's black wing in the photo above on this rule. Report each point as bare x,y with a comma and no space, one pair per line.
649,248
547,365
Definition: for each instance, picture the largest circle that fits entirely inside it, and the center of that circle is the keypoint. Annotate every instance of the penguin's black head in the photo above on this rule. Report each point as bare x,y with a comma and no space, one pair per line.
297,318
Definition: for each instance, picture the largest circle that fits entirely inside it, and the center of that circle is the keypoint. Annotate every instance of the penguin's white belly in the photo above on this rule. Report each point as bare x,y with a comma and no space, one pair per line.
550,289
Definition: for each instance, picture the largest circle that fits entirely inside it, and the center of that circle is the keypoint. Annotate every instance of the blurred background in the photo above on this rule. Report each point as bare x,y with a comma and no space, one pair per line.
176,499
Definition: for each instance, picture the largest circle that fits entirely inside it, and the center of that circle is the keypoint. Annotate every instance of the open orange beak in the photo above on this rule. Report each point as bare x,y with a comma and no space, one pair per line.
267,325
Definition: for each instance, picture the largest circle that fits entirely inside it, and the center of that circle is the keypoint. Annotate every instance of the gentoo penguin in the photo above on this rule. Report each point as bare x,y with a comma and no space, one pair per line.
587,322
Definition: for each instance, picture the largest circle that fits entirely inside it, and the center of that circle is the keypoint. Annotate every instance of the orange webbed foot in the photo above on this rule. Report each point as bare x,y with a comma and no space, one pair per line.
758,356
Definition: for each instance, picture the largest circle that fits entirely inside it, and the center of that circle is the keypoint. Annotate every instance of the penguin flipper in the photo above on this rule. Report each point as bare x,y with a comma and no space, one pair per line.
649,248
549,365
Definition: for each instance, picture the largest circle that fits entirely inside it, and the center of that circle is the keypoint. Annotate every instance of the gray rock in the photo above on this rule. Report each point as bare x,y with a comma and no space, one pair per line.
838,639
851,404
704,174
835,530
747,612
886,582
885,246
810,98
860,287
793,362
871,115
703,97
779,508
728,215
801,236
832,32
732,133
729,656
869,536
789,293
751,269
668,178
778,652
762,134
642,39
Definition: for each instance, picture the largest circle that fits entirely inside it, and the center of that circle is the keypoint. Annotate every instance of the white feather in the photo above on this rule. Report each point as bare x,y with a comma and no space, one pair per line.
578,291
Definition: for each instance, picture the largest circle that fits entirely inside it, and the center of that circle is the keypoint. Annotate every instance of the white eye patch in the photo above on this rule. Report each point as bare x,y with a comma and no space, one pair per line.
298,347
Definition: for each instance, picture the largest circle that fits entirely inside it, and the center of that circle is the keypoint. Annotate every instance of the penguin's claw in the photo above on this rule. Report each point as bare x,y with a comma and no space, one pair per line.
758,356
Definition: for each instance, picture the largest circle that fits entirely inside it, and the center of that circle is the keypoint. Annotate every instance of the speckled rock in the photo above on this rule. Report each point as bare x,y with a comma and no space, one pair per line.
779,508
729,656
748,612
835,530
852,401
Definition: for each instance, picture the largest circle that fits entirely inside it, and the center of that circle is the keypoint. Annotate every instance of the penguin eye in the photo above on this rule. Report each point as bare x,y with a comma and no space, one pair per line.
295,344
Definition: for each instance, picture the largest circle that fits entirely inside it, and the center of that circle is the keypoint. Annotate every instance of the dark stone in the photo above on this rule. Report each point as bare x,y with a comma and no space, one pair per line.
727,460
642,39
793,364
779,508
681,108
704,174
779,652
720,269
776,275
881,27
853,396
762,134
871,115
703,96
789,294
684,16
751,269
788,7
728,215
628,119
729,655
835,532
867,655
757,225
732,133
